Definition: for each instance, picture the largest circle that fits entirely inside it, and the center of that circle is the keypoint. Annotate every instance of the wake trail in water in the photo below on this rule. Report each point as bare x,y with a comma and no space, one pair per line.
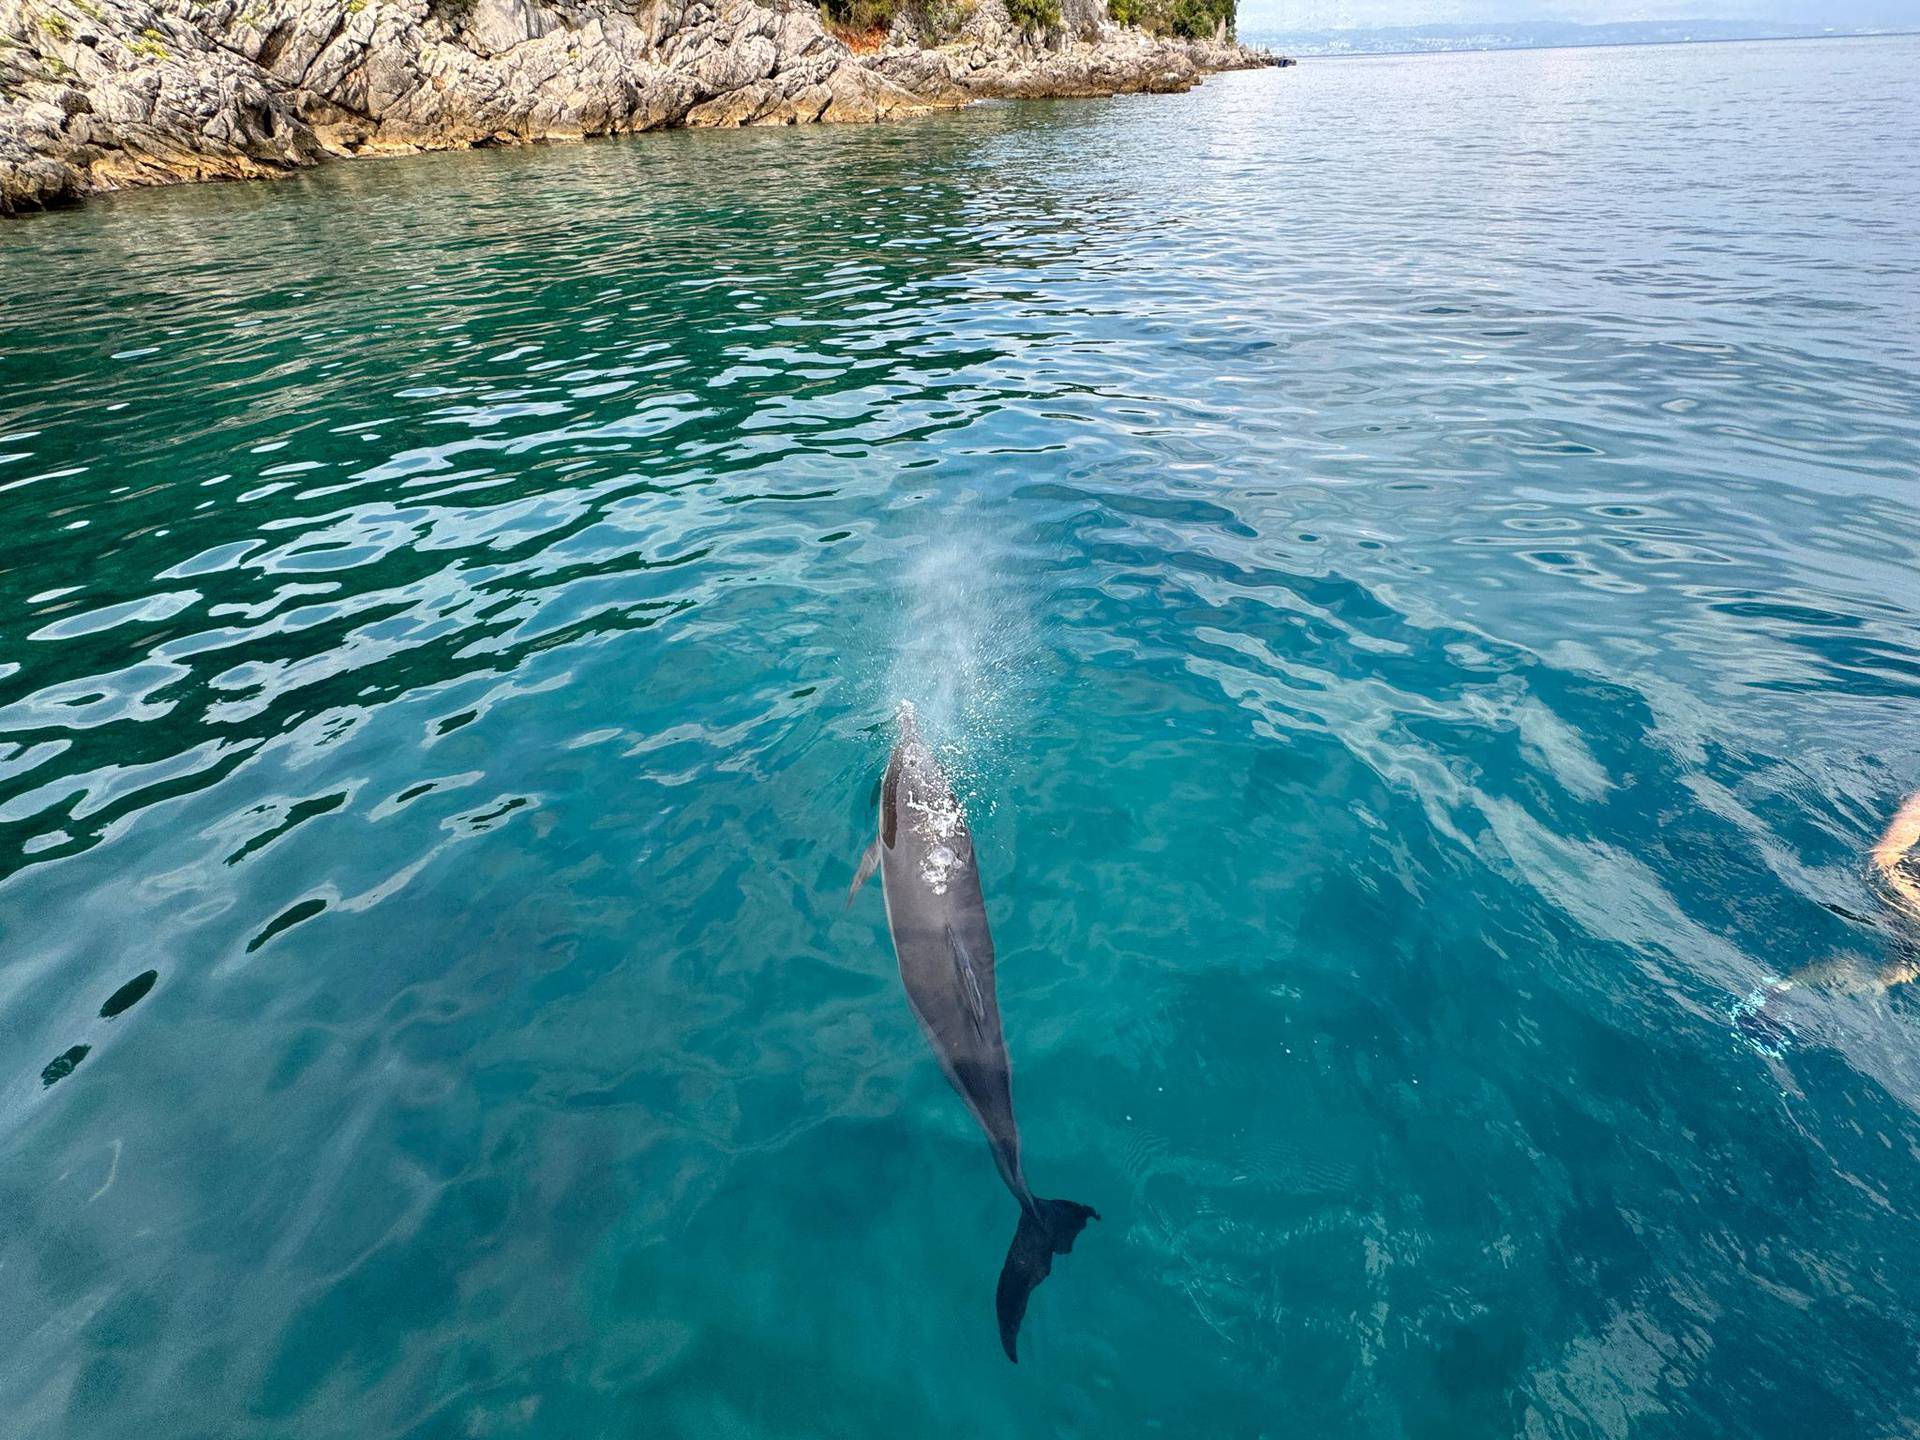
963,655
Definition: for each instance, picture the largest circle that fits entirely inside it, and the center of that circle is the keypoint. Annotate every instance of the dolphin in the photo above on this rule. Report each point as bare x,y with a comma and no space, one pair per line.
938,918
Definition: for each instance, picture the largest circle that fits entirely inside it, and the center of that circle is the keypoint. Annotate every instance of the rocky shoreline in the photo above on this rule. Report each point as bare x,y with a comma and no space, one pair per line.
100,94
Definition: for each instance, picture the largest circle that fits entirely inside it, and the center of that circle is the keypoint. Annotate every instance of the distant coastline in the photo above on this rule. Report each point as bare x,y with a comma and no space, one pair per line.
1472,39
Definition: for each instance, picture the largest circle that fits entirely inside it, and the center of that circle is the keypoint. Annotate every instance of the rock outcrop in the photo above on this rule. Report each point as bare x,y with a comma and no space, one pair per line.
98,94
988,57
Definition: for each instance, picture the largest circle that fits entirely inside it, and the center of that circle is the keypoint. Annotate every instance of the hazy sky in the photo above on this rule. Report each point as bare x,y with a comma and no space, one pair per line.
1342,14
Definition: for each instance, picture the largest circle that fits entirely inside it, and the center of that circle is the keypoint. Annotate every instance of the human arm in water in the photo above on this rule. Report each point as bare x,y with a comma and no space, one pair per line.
1850,974
1762,1016
1902,833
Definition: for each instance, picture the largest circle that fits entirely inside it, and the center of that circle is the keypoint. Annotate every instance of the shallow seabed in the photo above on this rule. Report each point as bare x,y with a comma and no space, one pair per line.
1414,562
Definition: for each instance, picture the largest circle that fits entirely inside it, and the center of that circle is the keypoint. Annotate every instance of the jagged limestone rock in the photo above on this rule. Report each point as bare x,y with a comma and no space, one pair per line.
97,94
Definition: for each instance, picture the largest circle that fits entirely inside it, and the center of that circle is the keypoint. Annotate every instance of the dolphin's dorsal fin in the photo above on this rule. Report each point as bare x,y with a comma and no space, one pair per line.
969,981
868,862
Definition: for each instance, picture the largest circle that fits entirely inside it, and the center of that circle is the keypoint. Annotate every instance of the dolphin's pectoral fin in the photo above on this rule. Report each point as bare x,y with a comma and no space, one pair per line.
869,862
969,981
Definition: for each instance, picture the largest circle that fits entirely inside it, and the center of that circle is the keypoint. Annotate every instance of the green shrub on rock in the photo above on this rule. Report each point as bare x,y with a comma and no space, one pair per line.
931,22
1190,19
858,17
1203,19
1036,15
937,21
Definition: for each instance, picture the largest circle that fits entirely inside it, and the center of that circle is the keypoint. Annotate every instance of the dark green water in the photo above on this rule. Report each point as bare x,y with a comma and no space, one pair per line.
1414,562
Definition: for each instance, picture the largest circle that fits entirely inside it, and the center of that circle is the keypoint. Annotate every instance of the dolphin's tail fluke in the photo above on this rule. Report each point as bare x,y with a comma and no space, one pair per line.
1047,1230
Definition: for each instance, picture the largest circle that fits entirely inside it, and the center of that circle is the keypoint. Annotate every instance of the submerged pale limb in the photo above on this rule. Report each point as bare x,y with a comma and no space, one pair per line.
1902,833
1762,1019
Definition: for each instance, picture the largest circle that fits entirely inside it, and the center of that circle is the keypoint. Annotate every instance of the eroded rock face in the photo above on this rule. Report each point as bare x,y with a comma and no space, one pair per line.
96,94
990,57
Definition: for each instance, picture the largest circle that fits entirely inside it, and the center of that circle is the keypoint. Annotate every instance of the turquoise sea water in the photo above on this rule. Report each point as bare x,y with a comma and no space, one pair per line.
1414,562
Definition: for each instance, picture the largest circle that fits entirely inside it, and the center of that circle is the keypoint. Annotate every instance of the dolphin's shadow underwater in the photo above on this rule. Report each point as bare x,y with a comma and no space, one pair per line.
938,918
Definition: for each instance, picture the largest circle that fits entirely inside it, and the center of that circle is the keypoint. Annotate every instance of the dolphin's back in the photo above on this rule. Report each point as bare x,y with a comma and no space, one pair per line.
938,917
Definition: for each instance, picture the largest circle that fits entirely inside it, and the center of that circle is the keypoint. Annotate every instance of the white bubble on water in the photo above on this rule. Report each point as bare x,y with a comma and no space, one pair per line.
963,656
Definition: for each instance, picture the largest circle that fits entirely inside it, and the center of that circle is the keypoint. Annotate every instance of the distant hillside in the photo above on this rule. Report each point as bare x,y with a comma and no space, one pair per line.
1535,34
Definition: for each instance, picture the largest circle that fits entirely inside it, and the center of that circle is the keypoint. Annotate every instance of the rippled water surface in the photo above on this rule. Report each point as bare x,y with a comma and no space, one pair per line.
1414,562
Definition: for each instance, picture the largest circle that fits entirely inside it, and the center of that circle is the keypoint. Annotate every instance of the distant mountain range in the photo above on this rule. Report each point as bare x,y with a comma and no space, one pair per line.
1531,35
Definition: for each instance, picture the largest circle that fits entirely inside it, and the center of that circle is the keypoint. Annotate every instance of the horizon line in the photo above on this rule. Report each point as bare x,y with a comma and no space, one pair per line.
1279,35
